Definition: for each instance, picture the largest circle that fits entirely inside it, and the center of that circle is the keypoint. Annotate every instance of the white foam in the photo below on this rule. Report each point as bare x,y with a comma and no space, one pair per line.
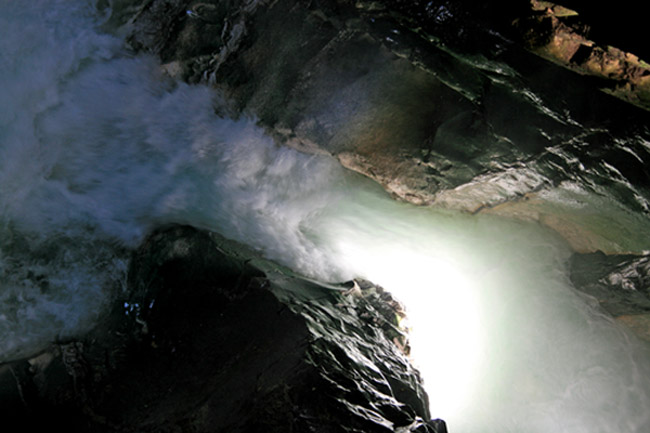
98,148
47,290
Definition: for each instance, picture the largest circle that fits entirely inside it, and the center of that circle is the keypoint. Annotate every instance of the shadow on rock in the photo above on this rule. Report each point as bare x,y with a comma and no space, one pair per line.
214,339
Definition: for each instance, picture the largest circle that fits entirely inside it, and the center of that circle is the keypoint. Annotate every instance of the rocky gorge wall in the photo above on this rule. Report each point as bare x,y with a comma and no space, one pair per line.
443,104
436,102
212,338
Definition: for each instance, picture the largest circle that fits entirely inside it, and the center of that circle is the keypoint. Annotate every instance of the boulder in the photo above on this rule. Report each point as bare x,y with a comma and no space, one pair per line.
619,283
211,338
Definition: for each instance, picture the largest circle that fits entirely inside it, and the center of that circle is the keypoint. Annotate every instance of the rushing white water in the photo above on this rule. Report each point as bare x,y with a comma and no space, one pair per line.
97,148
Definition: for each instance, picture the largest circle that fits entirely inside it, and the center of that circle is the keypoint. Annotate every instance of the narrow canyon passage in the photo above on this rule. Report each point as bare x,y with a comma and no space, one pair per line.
98,147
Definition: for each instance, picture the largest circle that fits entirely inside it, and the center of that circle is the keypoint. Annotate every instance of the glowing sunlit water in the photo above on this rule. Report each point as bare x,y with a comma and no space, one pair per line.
97,148
503,341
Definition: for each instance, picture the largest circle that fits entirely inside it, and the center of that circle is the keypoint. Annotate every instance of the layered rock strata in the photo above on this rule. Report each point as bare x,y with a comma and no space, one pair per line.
554,33
436,101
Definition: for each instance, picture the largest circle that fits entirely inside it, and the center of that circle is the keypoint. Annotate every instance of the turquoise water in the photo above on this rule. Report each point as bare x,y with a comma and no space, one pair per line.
98,147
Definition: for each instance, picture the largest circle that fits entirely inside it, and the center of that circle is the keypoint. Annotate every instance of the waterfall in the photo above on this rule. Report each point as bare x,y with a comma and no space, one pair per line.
98,147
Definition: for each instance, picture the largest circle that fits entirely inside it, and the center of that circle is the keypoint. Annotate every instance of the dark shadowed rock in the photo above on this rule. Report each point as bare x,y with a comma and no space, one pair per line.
213,339
621,285
558,34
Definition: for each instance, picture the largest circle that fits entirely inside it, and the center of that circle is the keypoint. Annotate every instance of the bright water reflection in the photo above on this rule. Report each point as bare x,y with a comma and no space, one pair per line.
500,335
443,315
97,148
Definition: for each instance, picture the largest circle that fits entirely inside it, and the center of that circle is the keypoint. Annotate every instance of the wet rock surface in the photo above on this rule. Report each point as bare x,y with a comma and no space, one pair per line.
556,33
212,338
620,284
439,102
